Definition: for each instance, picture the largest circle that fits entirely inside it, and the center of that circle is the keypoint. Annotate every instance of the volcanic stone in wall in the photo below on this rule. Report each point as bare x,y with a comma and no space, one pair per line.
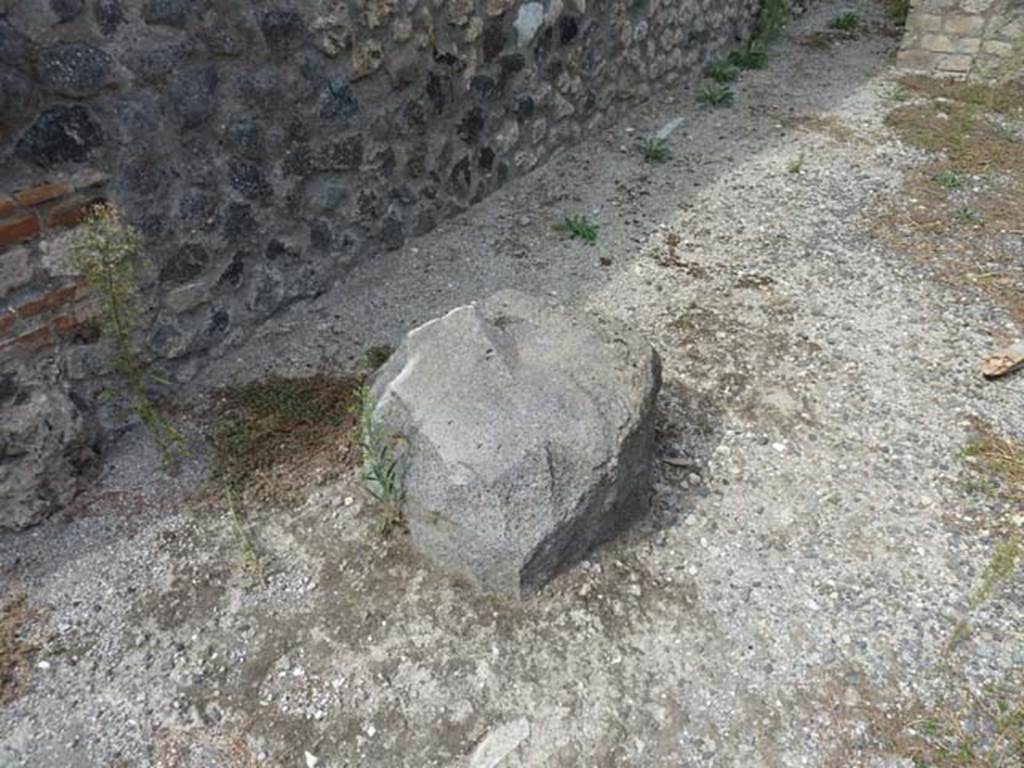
46,450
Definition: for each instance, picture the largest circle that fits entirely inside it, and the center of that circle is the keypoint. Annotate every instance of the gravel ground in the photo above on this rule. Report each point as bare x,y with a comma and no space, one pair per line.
793,594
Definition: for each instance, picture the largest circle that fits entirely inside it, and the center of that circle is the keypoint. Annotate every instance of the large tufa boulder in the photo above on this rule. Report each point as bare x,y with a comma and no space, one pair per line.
46,448
524,433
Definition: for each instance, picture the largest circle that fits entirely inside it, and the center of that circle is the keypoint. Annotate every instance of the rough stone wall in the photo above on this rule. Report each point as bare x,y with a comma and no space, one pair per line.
964,38
264,147
48,436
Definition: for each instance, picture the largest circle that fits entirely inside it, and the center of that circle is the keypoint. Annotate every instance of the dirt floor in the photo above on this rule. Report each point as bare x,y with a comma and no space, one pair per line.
831,574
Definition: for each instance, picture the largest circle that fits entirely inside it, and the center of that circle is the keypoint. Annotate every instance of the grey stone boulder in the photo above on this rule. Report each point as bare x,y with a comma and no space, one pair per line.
524,436
46,451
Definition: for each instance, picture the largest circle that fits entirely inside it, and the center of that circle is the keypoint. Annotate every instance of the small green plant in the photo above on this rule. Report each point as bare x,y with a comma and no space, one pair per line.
252,563
947,180
795,165
1000,568
106,253
967,216
1009,133
579,227
380,465
896,92
715,95
898,11
771,16
770,19
377,355
721,71
751,56
655,150
845,22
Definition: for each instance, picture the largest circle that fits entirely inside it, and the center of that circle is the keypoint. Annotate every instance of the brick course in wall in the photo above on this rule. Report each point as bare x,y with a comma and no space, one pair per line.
40,305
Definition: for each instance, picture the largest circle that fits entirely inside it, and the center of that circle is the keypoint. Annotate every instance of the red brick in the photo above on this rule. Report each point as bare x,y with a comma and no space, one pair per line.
48,301
36,339
17,229
7,321
66,323
77,330
71,212
42,193
7,207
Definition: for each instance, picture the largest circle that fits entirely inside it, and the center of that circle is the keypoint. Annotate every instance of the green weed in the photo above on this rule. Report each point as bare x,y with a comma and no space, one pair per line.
895,92
380,464
579,227
752,56
795,165
898,10
655,150
721,71
715,95
1001,567
845,21
105,252
947,180
252,563
1009,133
377,355
770,19
967,216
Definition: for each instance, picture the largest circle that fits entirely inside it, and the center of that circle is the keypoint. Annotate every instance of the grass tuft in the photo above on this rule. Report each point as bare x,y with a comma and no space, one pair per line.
579,227
750,57
845,21
655,150
715,95
967,216
722,71
380,465
898,10
377,355
277,433
947,180
895,92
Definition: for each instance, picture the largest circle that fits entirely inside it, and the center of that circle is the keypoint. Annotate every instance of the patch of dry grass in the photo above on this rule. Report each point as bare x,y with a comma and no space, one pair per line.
14,649
1000,459
1006,98
964,728
968,134
968,232
282,435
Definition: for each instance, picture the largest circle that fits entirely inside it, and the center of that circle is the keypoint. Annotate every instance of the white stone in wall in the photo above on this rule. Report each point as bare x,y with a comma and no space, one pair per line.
528,21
